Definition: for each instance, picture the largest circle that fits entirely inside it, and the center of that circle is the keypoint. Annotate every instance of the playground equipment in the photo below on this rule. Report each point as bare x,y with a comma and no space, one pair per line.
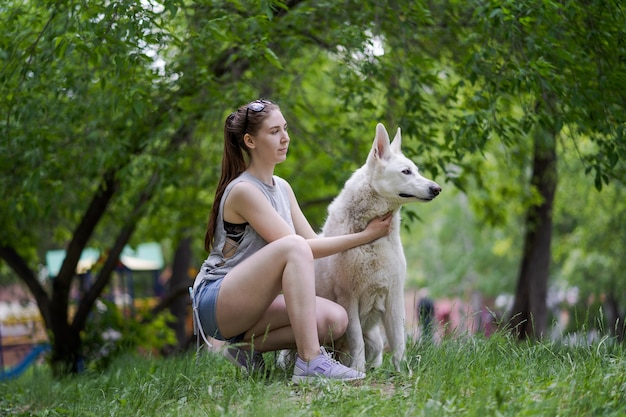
23,338
144,258
28,360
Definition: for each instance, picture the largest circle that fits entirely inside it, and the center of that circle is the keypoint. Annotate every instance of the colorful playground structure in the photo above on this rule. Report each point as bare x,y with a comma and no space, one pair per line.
23,341
23,337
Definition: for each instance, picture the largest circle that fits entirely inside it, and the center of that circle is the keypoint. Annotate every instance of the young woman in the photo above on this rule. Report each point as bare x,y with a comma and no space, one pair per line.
256,289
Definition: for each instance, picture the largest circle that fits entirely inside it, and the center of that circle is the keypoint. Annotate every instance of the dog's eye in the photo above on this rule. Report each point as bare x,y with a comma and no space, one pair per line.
406,171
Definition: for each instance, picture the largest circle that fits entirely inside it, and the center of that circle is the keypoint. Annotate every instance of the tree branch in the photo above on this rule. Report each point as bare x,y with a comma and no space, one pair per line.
62,282
181,136
17,263
86,303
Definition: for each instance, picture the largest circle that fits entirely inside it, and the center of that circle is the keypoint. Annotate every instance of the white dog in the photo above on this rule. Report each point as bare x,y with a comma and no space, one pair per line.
368,281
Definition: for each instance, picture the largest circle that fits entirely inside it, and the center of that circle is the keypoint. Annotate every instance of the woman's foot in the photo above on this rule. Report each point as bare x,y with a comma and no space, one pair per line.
249,361
323,366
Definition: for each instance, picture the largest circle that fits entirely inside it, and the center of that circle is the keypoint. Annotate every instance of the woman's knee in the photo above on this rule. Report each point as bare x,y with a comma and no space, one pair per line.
295,246
333,323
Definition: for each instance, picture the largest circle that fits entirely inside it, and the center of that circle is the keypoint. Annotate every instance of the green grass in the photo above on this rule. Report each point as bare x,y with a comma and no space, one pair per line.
462,377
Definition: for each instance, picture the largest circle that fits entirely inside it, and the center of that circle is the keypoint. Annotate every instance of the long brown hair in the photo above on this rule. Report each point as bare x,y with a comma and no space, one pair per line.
247,119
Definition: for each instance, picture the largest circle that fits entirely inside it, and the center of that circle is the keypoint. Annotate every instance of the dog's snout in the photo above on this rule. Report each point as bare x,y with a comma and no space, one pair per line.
435,189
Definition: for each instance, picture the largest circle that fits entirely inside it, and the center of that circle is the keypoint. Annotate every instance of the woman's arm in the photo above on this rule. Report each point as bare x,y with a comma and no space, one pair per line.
246,203
300,222
326,246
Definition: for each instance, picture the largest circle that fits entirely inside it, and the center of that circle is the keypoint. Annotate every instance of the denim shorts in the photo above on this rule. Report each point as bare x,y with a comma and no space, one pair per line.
206,301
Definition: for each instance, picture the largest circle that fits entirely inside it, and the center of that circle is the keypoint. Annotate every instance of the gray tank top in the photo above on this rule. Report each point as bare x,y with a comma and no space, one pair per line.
216,265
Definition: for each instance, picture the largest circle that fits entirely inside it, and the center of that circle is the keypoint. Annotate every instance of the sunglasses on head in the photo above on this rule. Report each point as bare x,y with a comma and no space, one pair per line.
256,106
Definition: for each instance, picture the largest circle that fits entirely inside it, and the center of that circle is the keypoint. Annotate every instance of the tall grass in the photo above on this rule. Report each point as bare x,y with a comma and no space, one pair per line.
469,376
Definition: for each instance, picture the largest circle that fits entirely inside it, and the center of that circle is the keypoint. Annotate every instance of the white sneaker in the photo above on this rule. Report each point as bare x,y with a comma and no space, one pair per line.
323,366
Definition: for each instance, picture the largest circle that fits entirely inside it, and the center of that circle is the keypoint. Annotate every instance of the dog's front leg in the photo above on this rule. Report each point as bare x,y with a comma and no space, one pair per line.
374,347
354,335
394,326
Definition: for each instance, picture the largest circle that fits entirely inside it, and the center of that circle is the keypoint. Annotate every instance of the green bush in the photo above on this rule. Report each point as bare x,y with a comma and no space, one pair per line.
112,331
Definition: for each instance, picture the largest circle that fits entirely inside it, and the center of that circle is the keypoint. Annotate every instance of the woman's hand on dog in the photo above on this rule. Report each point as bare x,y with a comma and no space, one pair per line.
379,226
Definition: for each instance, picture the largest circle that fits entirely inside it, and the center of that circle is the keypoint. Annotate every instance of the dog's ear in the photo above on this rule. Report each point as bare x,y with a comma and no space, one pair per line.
380,148
396,143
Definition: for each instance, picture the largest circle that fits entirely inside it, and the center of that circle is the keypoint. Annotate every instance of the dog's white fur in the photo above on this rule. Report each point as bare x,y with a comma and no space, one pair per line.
368,281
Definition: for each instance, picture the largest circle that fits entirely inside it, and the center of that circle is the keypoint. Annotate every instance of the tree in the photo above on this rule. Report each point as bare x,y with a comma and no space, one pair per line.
561,64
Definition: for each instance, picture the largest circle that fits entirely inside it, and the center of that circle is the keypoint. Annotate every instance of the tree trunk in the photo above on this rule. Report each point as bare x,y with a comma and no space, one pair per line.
529,314
179,284
66,347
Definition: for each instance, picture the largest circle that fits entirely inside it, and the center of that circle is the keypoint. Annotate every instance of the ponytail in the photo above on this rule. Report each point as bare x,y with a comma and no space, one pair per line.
233,160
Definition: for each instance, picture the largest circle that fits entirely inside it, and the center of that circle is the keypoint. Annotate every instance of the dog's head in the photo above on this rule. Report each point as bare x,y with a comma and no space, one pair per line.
395,176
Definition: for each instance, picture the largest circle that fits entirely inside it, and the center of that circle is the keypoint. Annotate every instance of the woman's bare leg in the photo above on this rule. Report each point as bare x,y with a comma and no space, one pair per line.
249,290
273,330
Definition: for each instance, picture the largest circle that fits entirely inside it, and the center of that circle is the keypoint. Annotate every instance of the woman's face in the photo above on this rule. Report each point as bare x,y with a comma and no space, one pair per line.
272,140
